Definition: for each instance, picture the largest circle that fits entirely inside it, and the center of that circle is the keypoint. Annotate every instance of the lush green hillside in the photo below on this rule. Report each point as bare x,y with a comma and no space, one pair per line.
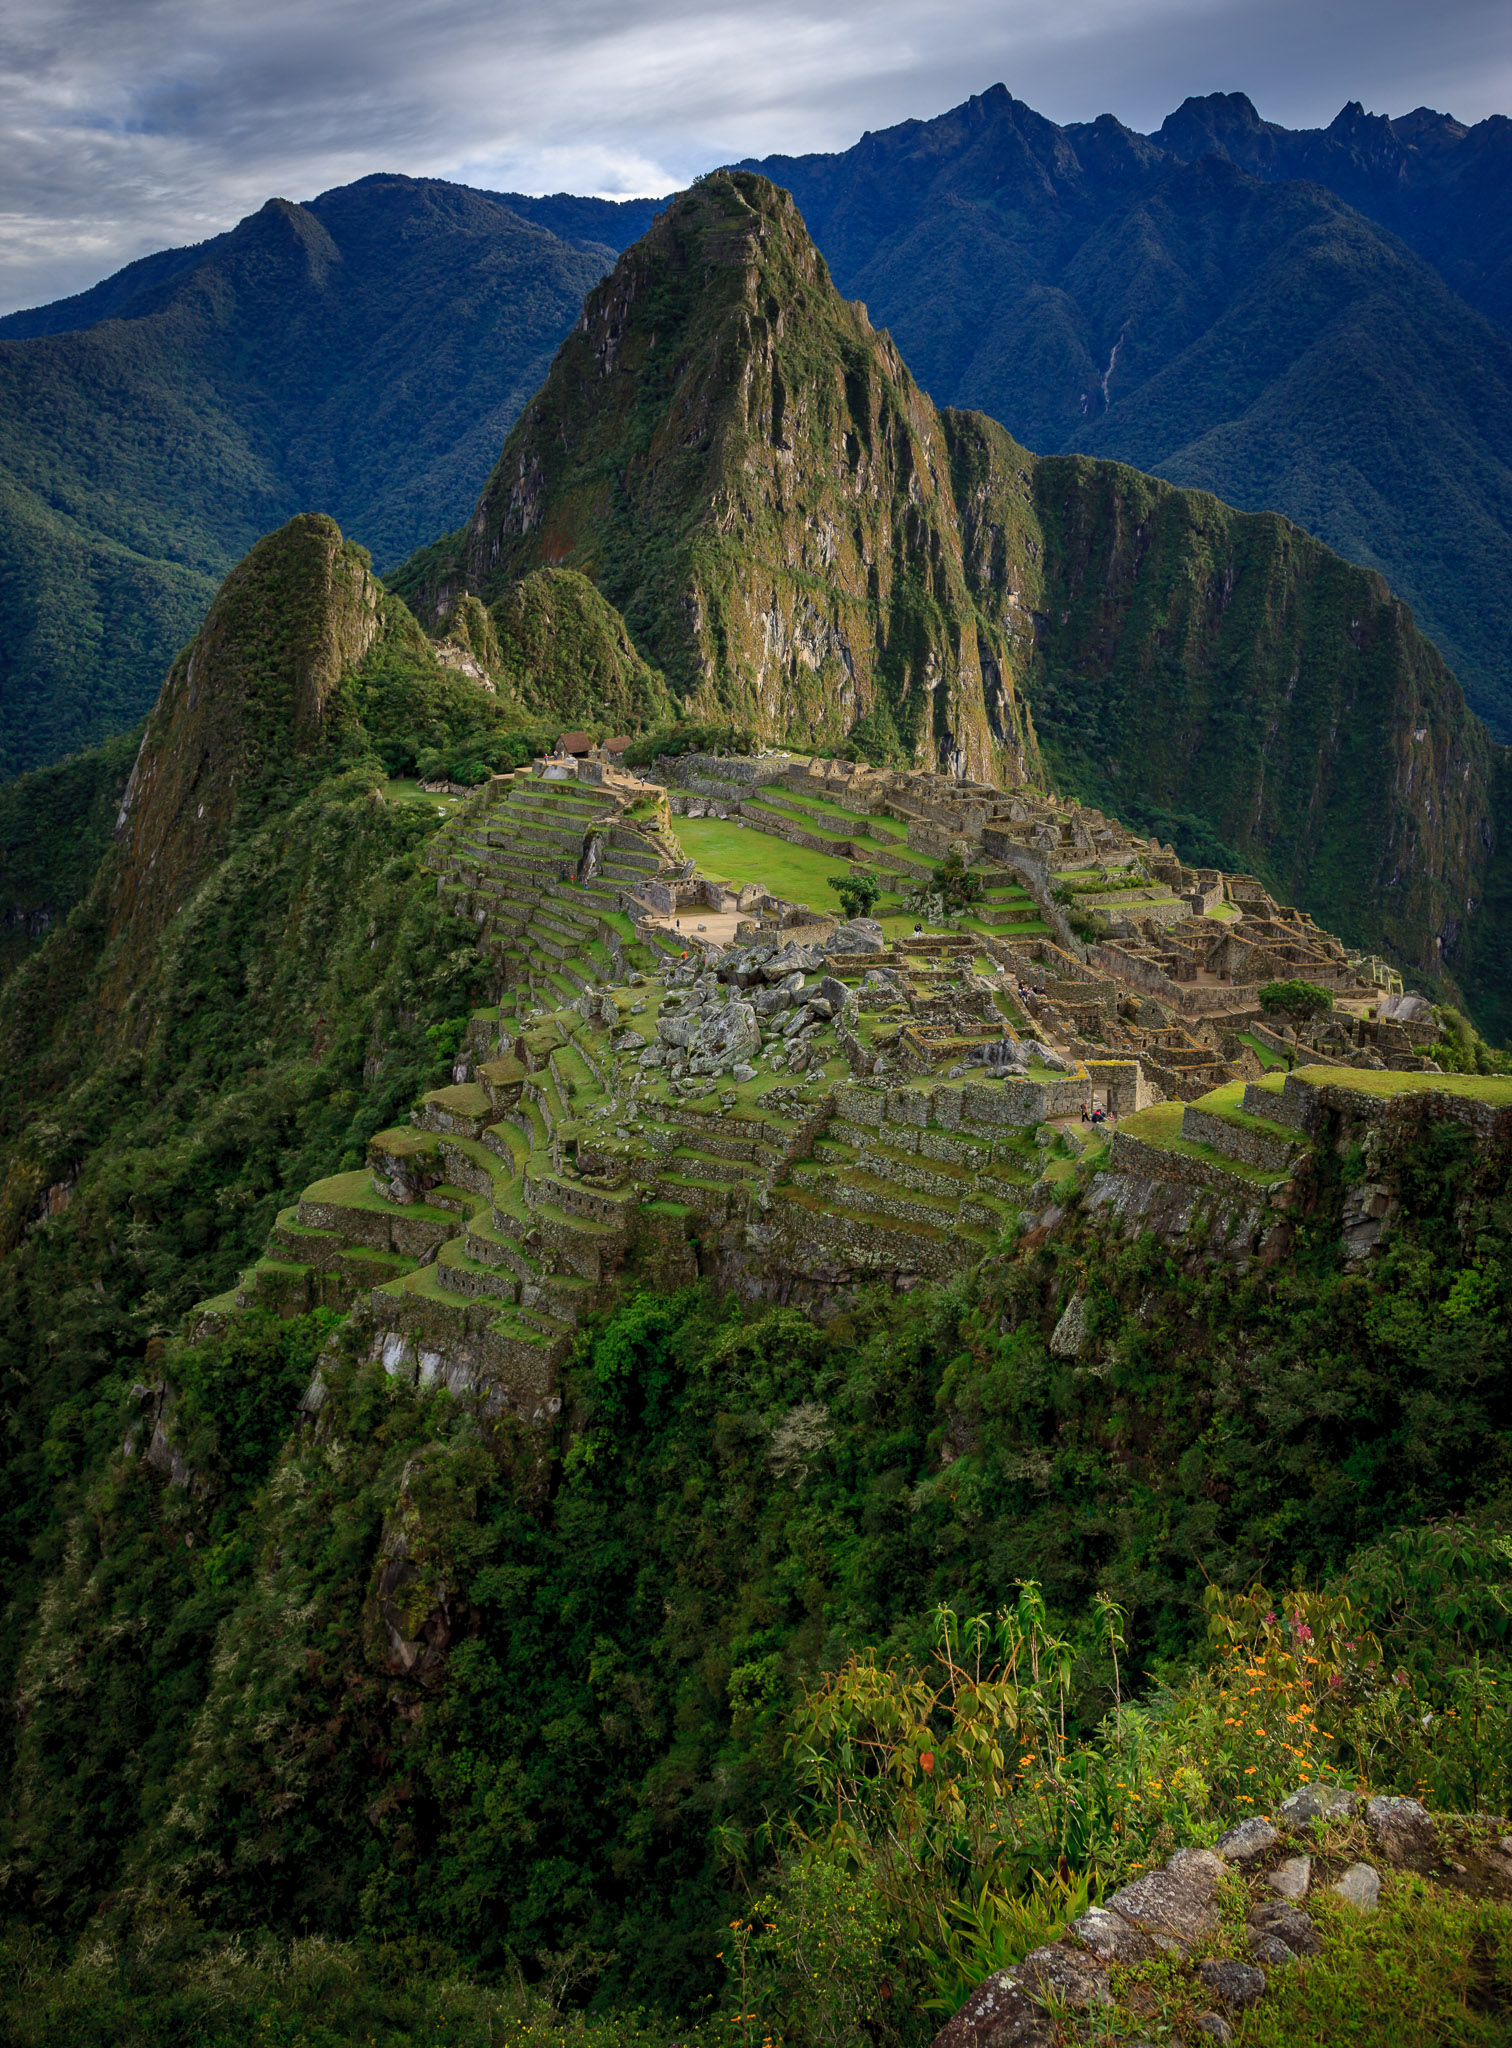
1093,291
234,1810
55,825
362,356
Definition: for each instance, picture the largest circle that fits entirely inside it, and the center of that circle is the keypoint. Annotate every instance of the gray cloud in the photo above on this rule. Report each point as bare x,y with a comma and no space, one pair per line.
129,125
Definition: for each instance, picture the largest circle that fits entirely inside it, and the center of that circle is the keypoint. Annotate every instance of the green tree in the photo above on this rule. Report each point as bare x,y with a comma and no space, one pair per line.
955,884
1298,1001
858,893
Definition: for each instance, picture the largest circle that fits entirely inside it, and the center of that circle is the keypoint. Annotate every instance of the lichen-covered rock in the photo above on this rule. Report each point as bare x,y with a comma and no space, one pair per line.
998,2014
1110,1936
1269,1948
1173,1906
1232,1983
1066,1975
1403,1828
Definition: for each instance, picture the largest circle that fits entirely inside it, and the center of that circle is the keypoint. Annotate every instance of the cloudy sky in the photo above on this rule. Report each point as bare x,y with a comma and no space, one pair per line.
130,125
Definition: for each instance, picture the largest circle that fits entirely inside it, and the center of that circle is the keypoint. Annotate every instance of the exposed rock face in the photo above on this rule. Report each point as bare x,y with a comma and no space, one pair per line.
809,562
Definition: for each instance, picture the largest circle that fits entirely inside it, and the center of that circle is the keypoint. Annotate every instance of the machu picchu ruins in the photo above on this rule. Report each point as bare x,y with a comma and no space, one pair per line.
687,1077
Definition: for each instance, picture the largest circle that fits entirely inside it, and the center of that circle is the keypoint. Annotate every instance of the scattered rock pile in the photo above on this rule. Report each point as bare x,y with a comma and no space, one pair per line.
1230,1914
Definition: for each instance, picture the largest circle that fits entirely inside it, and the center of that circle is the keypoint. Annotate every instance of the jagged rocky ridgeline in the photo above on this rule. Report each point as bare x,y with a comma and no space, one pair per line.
793,1106
1261,1899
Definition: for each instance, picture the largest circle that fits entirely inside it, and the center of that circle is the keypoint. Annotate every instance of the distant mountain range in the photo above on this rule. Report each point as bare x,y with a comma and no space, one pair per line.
1168,301
364,355
1334,349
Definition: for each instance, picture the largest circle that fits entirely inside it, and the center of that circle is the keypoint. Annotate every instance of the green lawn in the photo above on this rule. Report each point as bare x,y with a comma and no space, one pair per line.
1263,1053
402,789
736,855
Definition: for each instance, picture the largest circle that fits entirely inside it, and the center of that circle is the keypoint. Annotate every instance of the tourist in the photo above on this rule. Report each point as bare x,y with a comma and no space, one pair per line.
1086,1114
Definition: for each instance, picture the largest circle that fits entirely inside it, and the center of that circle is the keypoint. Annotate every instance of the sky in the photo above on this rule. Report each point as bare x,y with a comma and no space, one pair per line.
133,125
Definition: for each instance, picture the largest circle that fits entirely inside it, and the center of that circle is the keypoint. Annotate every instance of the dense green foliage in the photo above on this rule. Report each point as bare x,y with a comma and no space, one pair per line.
361,356
1138,298
736,1503
688,737
55,824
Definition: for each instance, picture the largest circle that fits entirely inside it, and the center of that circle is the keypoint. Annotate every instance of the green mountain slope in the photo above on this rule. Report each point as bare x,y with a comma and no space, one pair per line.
1259,339
800,541
353,1697
362,355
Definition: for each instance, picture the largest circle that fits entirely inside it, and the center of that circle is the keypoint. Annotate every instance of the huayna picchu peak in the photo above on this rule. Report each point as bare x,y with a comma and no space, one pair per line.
753,1281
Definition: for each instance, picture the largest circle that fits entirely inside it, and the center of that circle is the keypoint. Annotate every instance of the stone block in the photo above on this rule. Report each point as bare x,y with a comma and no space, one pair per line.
1403,1829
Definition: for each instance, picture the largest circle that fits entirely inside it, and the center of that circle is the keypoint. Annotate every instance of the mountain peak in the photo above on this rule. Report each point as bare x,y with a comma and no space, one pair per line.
746,469
245,698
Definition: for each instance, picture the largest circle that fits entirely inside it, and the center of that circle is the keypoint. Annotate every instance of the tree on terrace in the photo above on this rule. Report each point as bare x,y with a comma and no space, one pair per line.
1297,1001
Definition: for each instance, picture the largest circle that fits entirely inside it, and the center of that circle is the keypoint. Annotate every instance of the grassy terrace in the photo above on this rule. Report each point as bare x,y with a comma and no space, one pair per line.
1160,1126
799,805
1225,1102
1476,1087
737,855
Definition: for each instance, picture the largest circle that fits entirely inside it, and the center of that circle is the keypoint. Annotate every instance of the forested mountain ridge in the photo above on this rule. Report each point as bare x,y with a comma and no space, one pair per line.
803,543
363,355
1103,291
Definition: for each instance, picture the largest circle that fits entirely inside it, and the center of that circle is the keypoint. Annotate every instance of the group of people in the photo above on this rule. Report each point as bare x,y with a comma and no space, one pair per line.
1025,990
1093,1115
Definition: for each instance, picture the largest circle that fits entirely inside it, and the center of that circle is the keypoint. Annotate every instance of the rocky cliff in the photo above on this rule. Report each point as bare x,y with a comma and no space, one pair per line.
747,470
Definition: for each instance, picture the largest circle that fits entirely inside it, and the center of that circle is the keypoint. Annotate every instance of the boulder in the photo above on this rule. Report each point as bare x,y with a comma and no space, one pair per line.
1249,1840
858,935
1212,2028
834,992
1069,1337
1232,1983
999,2014
1403,1829
821,1008
1268,1948
729,1034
